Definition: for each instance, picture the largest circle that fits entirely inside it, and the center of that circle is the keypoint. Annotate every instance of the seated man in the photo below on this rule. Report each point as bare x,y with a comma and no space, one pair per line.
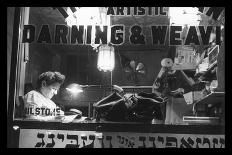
38,103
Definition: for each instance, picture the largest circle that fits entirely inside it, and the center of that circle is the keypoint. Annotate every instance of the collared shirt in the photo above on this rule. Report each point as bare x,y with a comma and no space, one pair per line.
39,107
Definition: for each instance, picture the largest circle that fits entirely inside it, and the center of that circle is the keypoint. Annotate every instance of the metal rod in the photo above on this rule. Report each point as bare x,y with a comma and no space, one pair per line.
126,87
135,87
111,81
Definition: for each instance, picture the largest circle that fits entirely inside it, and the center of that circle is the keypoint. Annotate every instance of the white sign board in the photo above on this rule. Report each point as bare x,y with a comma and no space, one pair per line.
36,138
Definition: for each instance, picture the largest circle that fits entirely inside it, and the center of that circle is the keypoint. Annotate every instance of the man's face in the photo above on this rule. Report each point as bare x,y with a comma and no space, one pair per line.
51,90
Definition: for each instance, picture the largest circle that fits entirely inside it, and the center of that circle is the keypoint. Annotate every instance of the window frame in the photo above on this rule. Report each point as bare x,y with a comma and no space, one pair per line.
19,58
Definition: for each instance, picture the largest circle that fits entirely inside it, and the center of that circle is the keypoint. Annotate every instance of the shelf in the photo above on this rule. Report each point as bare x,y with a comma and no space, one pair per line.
201,120
212,98
184,66
202,76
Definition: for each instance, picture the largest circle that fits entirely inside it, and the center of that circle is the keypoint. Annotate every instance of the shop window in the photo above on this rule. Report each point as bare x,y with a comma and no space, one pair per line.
48,42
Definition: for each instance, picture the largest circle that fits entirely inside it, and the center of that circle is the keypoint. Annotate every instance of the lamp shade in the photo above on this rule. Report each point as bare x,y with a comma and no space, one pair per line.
106,58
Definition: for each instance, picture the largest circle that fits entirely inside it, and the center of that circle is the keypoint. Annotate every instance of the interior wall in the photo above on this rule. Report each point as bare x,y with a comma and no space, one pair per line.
151,60
40,60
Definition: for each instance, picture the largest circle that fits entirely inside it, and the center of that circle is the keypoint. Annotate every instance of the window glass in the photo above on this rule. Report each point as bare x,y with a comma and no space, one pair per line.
74,60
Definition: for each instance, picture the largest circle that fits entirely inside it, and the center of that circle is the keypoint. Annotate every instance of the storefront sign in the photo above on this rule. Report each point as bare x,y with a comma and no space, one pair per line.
35,138
158,34
82,35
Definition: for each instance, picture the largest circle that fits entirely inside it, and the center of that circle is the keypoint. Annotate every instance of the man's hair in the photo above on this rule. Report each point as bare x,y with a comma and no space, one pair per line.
50,78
